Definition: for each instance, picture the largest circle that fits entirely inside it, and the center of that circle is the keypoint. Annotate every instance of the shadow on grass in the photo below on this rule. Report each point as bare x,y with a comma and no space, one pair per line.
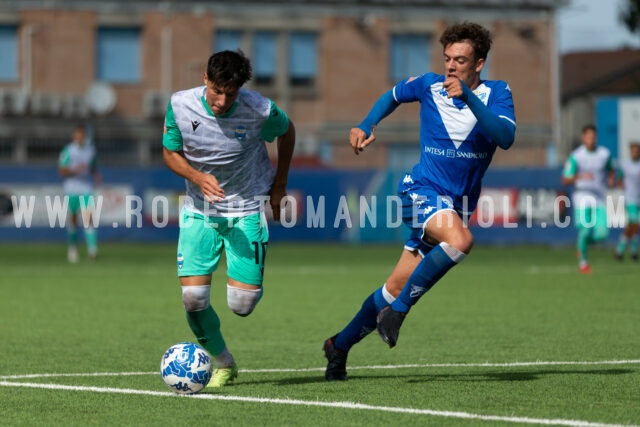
518,375
430,377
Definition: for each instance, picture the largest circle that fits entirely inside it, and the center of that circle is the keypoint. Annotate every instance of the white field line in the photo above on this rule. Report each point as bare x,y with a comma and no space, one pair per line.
340,405
374,367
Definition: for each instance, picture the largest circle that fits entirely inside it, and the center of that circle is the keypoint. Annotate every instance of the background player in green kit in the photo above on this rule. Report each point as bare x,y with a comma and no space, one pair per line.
77,165
630,177
590,170
214,137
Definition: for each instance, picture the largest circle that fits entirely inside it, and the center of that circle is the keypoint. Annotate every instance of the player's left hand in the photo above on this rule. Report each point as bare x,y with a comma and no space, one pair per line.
453,86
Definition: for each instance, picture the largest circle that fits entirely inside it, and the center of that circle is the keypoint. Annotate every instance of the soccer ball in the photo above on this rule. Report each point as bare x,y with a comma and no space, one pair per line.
186,368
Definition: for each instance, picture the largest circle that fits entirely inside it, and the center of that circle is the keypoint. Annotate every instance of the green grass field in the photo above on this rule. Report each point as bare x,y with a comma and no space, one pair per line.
514,335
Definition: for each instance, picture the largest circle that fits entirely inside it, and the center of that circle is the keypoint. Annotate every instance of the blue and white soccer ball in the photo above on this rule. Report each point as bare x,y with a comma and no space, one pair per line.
186,368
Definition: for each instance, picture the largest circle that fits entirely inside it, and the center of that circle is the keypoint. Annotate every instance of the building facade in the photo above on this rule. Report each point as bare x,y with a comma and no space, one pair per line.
114,64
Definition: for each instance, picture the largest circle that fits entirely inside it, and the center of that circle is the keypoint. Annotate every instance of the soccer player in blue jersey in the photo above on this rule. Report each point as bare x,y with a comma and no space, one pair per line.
463,120
215,138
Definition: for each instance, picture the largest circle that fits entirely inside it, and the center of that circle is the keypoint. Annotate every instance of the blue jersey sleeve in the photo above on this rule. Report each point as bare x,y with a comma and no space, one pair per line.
413,88
498,117
384,106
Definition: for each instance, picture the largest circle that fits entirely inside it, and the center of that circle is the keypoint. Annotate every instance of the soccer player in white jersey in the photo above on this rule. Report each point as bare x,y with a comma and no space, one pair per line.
463,119
77,165
590,170
630,176
215,137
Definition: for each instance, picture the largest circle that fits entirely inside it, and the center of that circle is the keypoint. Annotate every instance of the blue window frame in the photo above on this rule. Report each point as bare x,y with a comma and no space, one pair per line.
410,56
9,49
265,57
227,40
303,58
118,55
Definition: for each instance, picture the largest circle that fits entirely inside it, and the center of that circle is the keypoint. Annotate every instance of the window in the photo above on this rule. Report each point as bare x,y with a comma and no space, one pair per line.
410,56
9,49
264,57
302,58
267,53
227,40
118,55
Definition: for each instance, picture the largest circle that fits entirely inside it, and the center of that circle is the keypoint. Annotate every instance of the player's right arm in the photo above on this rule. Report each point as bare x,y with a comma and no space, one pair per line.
174,159
569,171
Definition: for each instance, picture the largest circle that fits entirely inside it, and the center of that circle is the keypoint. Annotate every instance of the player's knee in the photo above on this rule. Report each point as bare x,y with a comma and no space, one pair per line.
243,301
600,234
462,241
195,298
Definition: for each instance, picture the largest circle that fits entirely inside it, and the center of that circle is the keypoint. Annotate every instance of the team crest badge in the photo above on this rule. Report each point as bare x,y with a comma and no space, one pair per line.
241,133
180,261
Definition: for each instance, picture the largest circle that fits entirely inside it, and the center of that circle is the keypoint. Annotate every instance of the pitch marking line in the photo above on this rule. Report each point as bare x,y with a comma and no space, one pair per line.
340,405
416,365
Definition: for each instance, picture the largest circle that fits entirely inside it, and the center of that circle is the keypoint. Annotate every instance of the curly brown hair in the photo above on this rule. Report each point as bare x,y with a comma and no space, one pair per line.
478,36
229,69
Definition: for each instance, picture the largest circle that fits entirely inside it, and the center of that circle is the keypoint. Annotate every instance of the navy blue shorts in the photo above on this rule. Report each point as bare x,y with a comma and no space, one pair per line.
419,204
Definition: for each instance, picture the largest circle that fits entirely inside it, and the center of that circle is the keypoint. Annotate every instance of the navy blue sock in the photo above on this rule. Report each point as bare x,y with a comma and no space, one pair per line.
432,267
363,323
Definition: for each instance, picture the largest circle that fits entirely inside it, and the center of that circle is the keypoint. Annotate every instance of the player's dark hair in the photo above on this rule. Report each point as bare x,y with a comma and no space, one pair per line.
229,68
588,127
478,36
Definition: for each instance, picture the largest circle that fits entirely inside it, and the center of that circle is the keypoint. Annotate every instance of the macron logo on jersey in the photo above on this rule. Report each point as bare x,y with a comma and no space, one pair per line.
195,124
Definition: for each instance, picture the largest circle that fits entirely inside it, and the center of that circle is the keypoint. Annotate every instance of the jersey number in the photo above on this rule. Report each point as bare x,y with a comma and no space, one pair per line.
260,251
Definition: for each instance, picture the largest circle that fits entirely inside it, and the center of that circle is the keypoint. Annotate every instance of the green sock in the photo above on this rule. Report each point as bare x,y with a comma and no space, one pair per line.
583,242
91,237
72,235
205,325
622,244
633,246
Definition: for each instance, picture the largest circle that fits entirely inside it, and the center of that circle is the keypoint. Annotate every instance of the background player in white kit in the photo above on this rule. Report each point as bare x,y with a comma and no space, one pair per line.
215,137
589,168
630,177
77,165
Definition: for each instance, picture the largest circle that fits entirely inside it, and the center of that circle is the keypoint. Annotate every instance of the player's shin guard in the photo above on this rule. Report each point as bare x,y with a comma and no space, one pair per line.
432,267
364,322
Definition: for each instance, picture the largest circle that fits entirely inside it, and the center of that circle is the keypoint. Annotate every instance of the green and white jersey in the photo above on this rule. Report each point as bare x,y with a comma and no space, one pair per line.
594,167
72,156
630,172
230,147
